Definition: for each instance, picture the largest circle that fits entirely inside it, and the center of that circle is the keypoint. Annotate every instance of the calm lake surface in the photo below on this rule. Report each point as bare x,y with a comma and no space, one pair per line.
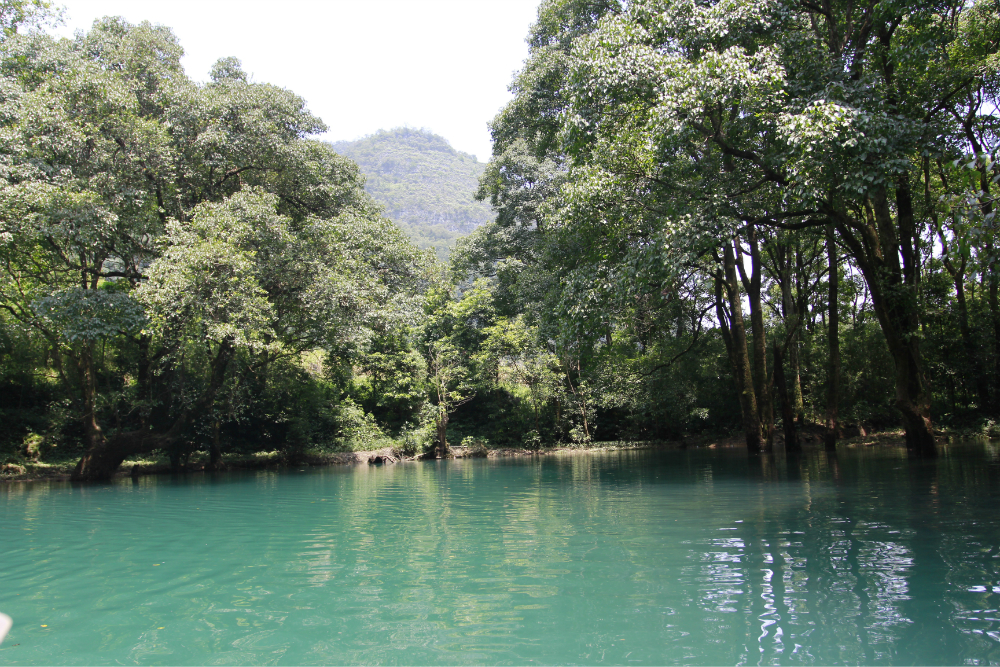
635,557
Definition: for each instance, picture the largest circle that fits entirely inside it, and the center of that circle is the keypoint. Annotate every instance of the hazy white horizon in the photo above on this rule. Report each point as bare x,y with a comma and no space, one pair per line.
443,65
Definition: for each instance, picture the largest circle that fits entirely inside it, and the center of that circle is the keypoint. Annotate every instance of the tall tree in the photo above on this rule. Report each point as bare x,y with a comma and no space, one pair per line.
114,161
786,115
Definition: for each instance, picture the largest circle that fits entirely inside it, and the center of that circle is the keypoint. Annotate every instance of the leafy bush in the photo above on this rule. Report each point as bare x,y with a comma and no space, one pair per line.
358,430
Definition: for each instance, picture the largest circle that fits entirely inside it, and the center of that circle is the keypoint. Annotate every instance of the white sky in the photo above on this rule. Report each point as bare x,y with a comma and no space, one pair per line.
361,65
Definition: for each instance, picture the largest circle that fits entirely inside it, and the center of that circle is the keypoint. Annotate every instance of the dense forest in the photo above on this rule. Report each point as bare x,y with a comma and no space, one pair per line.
755,214
426,186
749,217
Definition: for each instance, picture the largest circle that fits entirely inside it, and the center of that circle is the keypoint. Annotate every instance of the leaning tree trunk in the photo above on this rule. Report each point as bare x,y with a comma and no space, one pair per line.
877,245
105,455
100,463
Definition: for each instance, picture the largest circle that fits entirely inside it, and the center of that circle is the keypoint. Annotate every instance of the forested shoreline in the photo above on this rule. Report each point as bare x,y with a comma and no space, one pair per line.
750,217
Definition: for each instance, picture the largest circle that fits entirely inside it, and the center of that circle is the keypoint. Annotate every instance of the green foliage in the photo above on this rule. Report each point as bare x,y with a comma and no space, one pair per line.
646,138
17,15
357,430
82,314
173,247
389,379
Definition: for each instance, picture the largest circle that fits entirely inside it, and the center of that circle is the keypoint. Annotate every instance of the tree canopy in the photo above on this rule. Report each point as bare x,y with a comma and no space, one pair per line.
656,145
174,220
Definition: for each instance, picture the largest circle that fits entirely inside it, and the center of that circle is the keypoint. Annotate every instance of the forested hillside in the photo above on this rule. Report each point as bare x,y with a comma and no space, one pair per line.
426,186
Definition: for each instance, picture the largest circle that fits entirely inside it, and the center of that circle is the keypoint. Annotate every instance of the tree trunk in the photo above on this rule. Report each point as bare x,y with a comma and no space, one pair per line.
737,343
993,282
761,379
144,379
833,340
787,413
913,398
994,304
443,451
581,399
100,463
85,366
793,349
971,372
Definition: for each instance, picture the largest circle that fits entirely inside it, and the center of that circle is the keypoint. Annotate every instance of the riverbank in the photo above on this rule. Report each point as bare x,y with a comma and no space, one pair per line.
62,470
28,471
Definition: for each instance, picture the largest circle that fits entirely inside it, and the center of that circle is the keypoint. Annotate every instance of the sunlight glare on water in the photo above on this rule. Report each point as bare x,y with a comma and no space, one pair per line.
640,557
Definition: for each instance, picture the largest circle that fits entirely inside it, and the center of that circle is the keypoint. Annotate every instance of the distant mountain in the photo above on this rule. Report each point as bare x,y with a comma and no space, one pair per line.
426,186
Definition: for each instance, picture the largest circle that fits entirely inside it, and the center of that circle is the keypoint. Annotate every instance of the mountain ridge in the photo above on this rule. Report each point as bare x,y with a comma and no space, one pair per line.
427,186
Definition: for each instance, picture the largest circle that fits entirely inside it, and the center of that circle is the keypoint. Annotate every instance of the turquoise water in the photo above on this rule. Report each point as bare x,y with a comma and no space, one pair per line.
630,558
